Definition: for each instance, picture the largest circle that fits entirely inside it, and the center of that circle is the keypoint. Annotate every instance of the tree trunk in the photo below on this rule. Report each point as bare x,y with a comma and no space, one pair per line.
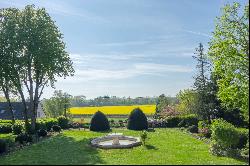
26,119
7,96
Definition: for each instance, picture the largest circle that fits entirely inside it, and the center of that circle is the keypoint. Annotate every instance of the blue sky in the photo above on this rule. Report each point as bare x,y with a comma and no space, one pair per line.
130,47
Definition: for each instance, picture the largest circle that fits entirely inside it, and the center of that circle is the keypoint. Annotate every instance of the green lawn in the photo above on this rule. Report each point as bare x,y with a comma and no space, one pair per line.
165,146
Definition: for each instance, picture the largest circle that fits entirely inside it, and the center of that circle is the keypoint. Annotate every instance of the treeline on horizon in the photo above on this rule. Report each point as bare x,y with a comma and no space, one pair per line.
81,101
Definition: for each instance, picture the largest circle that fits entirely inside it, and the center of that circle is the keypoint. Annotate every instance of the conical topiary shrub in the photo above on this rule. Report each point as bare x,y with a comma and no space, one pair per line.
99,122
137,120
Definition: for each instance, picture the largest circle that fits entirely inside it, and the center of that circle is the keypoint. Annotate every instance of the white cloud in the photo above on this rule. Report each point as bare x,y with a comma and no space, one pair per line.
138,69
59,8
198,33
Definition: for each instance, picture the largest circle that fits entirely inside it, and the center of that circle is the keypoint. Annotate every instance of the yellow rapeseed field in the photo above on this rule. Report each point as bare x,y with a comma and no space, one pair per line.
112,110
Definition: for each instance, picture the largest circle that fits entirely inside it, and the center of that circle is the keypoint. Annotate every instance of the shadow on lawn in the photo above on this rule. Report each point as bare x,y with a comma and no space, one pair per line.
67,150
151,147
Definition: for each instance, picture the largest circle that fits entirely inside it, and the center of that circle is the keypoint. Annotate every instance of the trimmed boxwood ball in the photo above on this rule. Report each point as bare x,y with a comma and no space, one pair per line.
99,122
137,120
193,129
42,133
63,122
56,128
3,146
23,138
17,128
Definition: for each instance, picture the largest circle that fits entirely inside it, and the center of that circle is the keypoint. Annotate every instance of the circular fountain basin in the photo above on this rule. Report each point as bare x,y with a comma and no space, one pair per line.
110,142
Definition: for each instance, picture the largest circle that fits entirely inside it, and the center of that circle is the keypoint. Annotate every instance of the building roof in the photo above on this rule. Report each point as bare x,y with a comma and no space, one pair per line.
18,109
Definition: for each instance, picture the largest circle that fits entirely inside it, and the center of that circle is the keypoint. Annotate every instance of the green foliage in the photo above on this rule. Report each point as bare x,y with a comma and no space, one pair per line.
34,57
3,146
224,134
188,100
58,104
144,136
46,123
5,128
63,122
204,129
173,121
245,151
23,138
17,128
203,124
137,120
42,133
243,137
99,122
162,102
163,142
192,129
56,128
229,52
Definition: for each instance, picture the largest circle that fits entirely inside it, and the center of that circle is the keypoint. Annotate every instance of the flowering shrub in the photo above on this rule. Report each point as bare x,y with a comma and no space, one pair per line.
205,132
169,111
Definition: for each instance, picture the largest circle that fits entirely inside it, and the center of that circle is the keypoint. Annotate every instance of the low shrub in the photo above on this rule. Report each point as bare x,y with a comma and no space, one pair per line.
224,134
56,128
17,128
243,137
63,122
144,136
5,121
99,122
49,123
75,125
23,138
3,146
203,124
204,129
220,150
205,132
193,129
225,138
137,120
188,120
40,124
112,121
172,121
42,133
86,125
245,151
5,128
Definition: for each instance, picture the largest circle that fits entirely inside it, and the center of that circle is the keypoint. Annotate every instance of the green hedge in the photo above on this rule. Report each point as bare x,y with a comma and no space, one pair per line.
5,128
227,139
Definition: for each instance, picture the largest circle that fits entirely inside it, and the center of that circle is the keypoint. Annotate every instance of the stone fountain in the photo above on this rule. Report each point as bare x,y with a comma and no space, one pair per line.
116,141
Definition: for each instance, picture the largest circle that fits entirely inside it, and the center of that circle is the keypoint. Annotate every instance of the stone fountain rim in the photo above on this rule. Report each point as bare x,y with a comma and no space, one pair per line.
95,142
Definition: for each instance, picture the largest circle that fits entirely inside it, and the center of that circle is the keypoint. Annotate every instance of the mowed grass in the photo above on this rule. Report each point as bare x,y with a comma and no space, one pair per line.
165,146
112,110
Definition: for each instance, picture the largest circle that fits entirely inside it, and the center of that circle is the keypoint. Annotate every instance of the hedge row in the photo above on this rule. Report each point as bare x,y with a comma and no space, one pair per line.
176,121
46,124
227,140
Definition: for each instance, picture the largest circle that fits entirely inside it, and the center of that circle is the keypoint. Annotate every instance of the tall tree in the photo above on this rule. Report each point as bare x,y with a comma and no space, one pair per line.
8,46
229,52
201,84
40,55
